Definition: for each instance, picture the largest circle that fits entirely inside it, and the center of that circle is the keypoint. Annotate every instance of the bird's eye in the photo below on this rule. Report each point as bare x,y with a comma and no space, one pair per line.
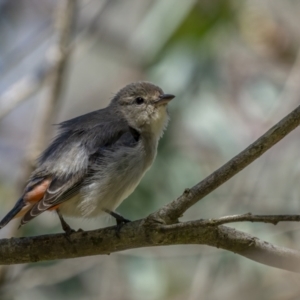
139,100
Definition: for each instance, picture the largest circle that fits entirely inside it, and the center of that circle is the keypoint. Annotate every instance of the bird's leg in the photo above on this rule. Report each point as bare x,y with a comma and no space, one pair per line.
119,219
65,226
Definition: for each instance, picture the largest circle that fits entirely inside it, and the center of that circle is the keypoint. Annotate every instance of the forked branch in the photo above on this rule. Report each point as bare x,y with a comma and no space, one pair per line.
175,209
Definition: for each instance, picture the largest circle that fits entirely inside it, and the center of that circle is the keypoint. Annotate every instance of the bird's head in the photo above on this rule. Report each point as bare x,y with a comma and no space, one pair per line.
144,106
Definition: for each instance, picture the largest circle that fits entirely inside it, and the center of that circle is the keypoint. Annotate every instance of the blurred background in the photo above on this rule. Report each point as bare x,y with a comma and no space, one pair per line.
234,67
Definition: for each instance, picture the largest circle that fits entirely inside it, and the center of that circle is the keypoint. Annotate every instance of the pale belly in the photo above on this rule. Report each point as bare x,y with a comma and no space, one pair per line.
91,204
110,185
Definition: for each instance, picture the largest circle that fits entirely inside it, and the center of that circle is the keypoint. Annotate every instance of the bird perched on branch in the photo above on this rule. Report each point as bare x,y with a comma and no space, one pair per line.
97,159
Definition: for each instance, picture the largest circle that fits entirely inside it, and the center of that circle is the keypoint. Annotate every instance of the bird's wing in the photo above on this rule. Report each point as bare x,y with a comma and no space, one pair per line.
104,136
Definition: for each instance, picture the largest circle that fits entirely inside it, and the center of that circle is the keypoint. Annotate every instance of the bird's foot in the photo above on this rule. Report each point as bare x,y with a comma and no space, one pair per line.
121,221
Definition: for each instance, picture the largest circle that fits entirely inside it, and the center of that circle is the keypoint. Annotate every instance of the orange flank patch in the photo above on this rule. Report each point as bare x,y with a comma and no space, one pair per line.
33,196
38,192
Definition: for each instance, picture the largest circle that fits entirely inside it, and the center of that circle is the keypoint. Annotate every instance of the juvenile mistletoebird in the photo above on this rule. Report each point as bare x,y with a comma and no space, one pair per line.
97,159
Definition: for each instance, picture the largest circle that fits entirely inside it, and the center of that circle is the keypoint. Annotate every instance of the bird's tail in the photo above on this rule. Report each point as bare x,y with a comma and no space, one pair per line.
16,209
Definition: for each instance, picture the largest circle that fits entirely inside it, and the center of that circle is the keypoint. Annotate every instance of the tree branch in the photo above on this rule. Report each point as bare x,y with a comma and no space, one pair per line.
273,219
143,234
173,210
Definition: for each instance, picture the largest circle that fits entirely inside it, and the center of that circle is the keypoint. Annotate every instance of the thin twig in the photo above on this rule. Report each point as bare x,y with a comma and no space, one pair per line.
173,210
273,219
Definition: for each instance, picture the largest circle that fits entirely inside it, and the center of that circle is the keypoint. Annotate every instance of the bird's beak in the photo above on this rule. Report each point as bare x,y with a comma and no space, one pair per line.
164,99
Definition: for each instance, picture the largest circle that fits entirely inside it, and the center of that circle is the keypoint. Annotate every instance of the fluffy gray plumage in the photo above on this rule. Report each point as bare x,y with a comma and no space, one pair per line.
99,158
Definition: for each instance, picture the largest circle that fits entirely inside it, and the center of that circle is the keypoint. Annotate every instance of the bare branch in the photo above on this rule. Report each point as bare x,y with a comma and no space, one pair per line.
142,234
173,210
241,243
273,219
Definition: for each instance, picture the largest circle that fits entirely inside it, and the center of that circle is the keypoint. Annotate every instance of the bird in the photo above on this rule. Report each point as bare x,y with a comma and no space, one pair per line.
97,159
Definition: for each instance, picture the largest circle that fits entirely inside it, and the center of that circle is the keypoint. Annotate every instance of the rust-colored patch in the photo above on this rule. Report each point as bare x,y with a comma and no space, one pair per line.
38,192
